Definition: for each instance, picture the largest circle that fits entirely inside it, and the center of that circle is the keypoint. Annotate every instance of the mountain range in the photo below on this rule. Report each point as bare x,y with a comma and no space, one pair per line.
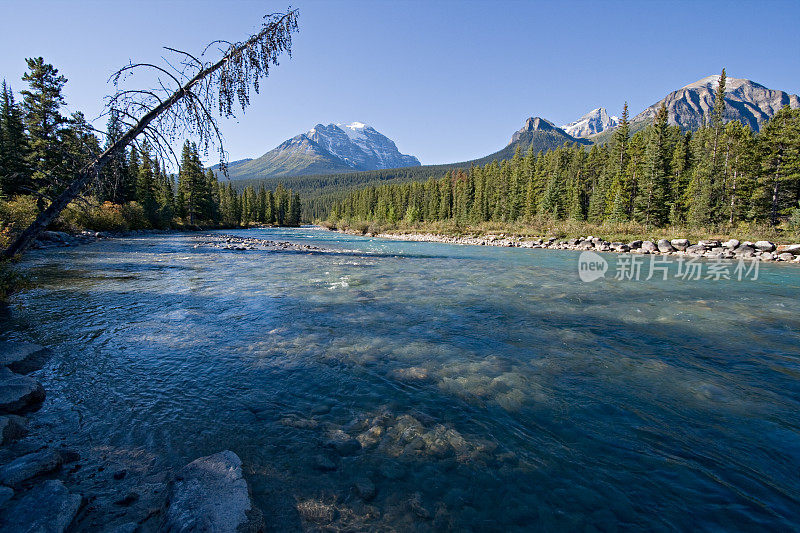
349,148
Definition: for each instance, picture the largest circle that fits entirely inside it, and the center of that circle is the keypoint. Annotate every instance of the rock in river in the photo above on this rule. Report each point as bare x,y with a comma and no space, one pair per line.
48,508
19,393
210,495
23,357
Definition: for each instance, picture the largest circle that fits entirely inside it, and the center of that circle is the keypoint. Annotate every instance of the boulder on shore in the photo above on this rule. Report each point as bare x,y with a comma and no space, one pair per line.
664,246
12,427
19,393
680,244
793,249
210,494
34,464
649,246
48,508
765,246
23,357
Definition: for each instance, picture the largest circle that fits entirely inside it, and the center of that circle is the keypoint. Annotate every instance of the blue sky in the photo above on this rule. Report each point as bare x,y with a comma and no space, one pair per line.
447,81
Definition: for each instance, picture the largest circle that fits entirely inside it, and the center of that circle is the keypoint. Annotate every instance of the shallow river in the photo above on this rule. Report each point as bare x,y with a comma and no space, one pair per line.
489,387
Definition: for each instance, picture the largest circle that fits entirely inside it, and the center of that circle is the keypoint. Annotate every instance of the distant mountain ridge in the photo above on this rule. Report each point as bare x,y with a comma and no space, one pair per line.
688,107
747,101
325,149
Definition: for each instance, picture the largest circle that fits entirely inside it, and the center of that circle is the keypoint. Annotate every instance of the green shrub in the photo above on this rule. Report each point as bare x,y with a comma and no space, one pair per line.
16,215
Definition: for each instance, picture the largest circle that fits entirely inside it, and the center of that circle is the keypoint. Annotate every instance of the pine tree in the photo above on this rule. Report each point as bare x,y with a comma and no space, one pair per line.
652,205
14,157
295,207
281,205
117,184
779,151
42,105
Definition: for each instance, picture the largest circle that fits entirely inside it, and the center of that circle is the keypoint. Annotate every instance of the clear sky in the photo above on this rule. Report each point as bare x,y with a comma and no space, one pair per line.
447,81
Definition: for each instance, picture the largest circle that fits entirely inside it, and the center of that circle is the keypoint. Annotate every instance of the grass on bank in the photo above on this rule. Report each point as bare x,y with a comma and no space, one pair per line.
787,232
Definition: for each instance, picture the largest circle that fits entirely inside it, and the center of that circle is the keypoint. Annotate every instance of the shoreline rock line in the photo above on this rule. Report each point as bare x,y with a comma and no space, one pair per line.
707,248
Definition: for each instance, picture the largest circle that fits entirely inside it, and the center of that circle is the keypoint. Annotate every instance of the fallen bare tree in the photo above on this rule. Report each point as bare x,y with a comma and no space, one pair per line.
179,103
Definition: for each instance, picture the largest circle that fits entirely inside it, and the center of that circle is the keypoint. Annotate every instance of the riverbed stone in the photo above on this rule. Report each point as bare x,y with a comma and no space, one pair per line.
731,243
785,256
47,508
744,250
34,464
19,393
12,427
211,495
23,357
635,245
764,246
680,244
709,243
664,246
649,246
344,444
365,488
789,248
324,463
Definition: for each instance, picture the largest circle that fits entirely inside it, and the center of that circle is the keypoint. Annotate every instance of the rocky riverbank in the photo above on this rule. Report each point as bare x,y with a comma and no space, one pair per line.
48,483
709,249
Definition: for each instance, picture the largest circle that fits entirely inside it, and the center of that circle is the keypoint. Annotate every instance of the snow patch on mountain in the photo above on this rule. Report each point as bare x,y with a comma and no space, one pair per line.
594,121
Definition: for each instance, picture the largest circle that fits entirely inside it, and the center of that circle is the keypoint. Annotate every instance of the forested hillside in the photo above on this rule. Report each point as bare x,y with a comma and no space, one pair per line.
41,151
722,173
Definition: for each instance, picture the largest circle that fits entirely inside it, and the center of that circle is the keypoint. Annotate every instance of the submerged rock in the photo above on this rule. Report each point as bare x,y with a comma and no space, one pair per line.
210,494
324,463
365,489
23,357
19,393
48,508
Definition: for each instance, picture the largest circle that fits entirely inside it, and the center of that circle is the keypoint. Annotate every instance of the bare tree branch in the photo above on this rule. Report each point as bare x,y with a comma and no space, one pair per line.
186,110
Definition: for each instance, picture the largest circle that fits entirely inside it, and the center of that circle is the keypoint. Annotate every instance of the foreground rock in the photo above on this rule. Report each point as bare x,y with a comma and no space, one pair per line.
33,465
48,508
18,393
23,357
12,427
210,494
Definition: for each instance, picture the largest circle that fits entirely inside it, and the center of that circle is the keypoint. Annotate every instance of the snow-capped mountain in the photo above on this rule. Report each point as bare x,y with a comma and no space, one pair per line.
594,121
326,149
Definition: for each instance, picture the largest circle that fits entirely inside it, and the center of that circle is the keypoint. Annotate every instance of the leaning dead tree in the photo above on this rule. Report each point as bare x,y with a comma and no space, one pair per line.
180,102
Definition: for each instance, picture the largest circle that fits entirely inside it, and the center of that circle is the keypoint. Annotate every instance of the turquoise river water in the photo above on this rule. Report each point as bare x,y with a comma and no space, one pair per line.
489,388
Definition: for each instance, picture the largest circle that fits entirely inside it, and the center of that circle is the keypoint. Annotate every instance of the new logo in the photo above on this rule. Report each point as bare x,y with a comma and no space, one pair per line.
591,266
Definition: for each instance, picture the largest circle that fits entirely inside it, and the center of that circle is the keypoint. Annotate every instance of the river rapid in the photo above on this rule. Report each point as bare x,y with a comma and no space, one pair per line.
486,388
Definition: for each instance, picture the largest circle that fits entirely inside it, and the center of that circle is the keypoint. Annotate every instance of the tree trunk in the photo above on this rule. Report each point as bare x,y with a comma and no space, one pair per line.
46,217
